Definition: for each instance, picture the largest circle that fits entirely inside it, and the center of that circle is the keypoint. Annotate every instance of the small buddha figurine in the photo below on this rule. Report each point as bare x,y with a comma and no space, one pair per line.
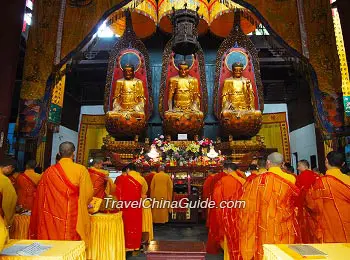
184,113
127,117
237,93
184,93
129,98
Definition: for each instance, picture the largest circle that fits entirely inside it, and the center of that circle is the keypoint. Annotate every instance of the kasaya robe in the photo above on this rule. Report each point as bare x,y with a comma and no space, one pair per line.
102,184
26,184
161,190
269,215
304,181
60,210
149,178
328,204
216,178
129,190
224,220
206,194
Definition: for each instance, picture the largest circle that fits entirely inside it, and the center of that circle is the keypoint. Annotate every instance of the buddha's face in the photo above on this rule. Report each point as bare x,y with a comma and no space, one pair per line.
183,70
128,73
237,72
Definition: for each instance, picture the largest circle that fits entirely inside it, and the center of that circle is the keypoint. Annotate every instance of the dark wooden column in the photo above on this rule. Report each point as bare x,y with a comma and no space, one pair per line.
344,11
11,22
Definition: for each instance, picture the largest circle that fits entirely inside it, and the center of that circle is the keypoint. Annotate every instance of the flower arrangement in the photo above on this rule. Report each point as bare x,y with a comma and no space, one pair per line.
195,153
169,147
206,142
193,147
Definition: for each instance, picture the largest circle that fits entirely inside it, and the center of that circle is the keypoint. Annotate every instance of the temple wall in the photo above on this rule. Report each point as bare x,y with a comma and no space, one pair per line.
303,142
63,135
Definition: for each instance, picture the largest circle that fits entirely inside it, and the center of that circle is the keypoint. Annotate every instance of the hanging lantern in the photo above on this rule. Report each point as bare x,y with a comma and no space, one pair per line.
185,40
144,19
165,10
221,18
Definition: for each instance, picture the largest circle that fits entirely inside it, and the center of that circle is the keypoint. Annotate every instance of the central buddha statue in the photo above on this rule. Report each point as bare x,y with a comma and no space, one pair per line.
184,113
127,116
238,115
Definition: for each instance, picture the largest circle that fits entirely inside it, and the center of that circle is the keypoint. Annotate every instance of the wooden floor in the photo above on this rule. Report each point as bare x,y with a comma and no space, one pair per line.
180,233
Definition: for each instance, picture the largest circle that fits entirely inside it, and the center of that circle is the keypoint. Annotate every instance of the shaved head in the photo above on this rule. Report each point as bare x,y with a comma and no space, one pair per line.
67,149
275,159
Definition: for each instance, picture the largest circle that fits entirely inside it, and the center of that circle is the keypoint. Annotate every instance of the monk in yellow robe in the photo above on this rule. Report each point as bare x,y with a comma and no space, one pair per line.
161,189
3,233
228,188
8,196
60,210
328,204
269,216
26,184
103,185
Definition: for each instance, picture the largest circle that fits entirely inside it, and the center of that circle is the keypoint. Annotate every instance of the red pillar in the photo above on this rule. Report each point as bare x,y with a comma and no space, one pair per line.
11,22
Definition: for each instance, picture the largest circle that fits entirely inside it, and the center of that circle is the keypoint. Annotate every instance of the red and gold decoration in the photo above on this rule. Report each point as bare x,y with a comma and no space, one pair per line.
128,103
221,18
165,9
183,93
144,19
238,86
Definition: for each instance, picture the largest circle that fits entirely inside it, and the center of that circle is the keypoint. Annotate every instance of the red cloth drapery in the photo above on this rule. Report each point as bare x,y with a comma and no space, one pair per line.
149,178
55,209
26,189
129,190
99,183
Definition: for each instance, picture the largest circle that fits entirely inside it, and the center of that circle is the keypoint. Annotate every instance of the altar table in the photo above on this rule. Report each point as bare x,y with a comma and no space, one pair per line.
107,235
283,252
170,250
61,250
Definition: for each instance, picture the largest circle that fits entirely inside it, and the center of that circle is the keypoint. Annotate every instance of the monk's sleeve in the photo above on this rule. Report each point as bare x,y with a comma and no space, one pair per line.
86,192
111,187
9,200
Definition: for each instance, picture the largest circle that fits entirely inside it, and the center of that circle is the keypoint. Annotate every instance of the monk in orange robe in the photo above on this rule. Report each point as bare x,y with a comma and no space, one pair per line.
304,181
226,189
328,203
216,177
161,189
149,178
102,184
26,186
8,196
269,213
130,190
60,210
206,193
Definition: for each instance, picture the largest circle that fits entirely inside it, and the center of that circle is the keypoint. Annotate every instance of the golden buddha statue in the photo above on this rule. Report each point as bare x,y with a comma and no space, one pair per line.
184,113
127,116
238,114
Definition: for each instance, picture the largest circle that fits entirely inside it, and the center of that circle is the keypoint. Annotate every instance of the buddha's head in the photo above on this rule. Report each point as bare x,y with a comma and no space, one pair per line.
184,69
129,72
237,69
